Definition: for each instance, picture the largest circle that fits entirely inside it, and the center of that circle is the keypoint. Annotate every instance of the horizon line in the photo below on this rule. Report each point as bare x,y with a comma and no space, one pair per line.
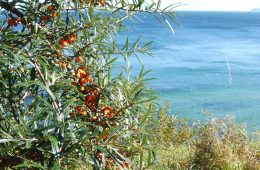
192,10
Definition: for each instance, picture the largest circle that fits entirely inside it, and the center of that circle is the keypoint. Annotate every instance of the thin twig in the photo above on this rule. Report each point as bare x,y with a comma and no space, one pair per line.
10,99
16,140
10,7
47,85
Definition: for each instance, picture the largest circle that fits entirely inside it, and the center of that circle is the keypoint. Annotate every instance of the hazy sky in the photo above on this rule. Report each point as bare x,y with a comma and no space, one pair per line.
216,5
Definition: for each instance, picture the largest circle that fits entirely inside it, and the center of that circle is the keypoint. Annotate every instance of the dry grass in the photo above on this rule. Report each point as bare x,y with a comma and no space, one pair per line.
218,144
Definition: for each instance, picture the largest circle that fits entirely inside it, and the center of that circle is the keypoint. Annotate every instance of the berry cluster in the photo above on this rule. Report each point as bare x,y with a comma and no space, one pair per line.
67,39
97,2
46,18
91,108
43,19
109,162
15,21
84,82
102,2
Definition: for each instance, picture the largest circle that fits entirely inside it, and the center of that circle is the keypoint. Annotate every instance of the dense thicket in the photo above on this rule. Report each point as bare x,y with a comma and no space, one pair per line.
60,108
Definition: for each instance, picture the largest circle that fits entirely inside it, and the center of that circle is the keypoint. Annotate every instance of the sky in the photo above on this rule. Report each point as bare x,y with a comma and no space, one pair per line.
215,5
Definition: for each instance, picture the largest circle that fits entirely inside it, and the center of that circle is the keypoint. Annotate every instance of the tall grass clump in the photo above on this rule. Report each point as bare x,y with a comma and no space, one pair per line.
216,144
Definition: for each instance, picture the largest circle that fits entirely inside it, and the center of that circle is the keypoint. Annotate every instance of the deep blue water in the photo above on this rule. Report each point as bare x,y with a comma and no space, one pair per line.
191,67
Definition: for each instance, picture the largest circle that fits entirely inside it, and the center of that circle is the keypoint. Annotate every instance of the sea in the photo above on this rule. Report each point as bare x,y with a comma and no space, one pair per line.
209,67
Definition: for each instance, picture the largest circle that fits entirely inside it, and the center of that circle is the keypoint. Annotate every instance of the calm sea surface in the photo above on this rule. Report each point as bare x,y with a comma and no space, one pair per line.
211,63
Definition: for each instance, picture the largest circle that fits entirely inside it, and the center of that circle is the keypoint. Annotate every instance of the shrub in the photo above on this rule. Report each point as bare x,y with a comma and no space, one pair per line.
217,144
60,105
223,144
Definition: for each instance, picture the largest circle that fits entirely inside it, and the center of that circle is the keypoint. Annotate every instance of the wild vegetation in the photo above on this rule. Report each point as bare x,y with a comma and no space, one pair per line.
60,107
217,144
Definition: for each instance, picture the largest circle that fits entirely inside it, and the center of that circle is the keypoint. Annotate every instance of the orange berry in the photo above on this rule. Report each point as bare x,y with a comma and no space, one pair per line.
82,81
16,152
78,108
94,118
50,7
83,113
99,155
88,79
83,72
60,63
81,88
102,2
78,59
93,91
10,22
104,137
64,42
107,111
72,37
78,75
54,13
88,98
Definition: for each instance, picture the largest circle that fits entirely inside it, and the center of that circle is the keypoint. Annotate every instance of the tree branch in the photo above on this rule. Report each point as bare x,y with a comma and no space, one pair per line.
10,7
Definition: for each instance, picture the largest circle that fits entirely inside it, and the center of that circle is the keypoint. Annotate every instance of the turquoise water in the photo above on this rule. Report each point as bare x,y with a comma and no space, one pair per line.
191,68
211,63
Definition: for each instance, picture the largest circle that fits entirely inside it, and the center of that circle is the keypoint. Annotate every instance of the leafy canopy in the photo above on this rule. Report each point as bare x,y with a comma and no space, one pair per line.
60,104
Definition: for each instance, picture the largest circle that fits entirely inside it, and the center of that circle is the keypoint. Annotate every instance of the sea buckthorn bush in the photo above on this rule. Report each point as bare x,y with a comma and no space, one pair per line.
61,104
